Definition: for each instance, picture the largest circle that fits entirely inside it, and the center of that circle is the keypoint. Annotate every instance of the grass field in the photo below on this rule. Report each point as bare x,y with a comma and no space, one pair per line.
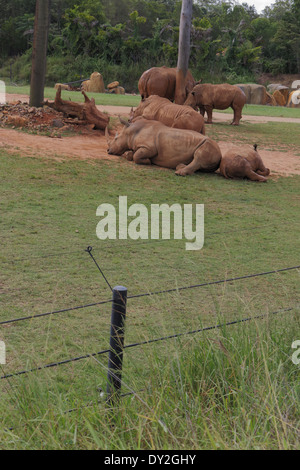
132,100
234,387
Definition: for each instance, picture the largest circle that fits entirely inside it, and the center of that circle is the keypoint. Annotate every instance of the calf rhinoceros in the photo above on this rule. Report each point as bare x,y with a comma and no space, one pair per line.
208,97
153,142
172,115
244,163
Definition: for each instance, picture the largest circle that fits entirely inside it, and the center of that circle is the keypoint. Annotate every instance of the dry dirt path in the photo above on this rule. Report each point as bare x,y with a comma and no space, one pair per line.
217,117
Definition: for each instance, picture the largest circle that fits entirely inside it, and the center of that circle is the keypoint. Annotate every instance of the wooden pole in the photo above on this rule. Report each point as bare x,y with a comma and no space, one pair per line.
183,50
115,360
39,52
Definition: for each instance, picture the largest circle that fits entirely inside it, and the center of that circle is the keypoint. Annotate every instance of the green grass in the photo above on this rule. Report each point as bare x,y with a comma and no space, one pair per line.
229,388
263,134
270,111
100,98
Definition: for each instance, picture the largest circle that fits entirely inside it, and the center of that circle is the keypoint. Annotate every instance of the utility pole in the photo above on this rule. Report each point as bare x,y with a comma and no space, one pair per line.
183,50
39,52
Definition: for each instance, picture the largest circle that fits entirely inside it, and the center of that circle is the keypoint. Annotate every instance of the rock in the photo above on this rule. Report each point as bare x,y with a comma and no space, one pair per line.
113,85
95,84
271,100
57,123
16,121
280,98
294,99
255,94
119,90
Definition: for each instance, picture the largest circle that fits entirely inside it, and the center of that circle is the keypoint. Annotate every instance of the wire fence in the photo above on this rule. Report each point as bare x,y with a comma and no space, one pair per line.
117,330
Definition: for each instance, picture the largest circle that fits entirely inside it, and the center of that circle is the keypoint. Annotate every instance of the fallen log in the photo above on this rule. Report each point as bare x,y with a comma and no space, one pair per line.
84,112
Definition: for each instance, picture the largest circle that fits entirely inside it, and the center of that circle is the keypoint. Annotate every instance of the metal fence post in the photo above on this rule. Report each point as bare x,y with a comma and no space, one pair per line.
115,359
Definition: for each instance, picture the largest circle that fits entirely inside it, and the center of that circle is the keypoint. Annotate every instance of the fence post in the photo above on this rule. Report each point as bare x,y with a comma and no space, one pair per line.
115,359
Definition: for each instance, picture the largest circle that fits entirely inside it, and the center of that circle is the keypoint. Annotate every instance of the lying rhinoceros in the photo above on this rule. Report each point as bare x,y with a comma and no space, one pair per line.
172,115
161,81
208,97
153,142
245,163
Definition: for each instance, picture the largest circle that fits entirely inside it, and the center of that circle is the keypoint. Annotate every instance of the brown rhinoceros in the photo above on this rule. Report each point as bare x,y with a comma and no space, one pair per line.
208,97
172,115
161,81
246,163
152,142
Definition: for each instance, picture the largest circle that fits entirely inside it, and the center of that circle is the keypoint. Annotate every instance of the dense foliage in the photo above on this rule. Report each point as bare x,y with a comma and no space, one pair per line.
121,38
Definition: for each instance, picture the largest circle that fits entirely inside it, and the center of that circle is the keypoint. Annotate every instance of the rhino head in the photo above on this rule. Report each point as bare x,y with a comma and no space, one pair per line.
192,96
119,144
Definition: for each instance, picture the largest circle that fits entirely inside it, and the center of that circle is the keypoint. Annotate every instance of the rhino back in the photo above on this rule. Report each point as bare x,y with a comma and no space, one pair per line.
219,96
176,146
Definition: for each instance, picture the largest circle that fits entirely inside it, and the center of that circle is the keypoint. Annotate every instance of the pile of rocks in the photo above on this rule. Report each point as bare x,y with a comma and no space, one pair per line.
43,120
274,95
95,85
114,87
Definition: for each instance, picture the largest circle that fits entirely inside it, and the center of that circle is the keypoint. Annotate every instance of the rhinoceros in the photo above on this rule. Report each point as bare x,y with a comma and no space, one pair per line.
246,163
161,81
208,97
150,142
172,115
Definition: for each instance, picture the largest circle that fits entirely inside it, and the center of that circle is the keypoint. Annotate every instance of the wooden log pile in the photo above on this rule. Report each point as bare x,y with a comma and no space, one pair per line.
86,113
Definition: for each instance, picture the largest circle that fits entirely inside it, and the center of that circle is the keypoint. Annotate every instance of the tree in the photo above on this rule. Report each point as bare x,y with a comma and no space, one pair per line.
183,50
39,52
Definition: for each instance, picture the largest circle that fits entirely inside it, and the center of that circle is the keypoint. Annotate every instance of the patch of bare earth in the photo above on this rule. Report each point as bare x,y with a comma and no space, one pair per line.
90,144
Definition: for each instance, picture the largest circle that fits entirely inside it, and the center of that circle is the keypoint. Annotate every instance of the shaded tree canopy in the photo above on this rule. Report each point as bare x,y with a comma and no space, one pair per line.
227,38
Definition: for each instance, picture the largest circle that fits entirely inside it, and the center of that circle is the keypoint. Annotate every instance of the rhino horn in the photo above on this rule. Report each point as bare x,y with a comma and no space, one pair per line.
107,136
122,121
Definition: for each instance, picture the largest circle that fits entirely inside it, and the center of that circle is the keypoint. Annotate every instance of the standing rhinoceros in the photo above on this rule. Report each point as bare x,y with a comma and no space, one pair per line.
244,163
171,114
153,142
161,81
208,97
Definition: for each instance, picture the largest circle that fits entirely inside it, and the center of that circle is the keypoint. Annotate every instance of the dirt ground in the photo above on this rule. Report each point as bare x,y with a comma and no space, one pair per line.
91,145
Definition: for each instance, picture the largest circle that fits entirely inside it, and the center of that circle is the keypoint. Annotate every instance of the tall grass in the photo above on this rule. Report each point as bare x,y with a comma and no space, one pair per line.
233,388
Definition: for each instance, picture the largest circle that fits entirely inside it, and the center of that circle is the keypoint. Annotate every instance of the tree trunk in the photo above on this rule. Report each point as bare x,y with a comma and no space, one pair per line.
183,50
86,113
39,52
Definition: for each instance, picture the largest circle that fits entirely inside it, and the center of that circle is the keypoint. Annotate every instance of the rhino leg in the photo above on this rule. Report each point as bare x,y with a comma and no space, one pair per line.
141,156
207,158
237,115
252,175
262,170
209,111
183,170
265,172
128,155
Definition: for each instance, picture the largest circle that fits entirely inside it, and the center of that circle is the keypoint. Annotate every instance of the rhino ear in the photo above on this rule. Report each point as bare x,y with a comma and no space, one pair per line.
255,147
